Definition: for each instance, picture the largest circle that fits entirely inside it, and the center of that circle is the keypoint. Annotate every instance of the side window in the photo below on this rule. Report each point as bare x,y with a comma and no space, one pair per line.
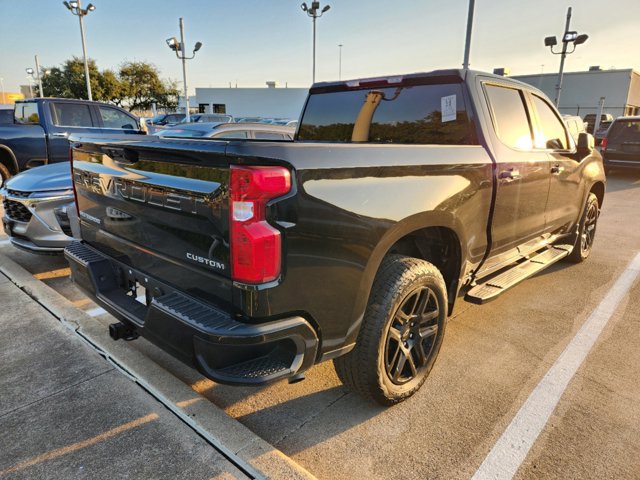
72,115
552,133
510,116
239,134
268,136
112,118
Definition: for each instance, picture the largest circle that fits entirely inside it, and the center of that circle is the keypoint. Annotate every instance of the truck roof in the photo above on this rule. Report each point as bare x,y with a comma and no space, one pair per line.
452,75
68,100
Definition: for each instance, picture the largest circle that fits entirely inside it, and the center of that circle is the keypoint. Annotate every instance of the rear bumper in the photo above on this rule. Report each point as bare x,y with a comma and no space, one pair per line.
219,346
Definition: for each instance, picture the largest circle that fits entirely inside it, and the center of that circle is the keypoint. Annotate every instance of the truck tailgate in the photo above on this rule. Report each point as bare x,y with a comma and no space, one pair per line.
159,210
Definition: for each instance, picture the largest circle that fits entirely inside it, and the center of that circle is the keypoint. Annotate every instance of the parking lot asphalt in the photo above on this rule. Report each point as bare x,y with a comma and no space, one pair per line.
492,359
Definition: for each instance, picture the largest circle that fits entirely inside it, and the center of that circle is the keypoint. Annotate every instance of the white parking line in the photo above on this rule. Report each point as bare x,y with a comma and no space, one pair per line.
94,312
512,447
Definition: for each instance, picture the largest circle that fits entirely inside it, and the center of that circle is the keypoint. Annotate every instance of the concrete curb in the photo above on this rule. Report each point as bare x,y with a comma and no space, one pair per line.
250,452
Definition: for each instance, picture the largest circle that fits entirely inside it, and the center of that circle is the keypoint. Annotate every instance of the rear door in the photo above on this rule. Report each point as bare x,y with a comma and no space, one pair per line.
67,118
115,121
522,172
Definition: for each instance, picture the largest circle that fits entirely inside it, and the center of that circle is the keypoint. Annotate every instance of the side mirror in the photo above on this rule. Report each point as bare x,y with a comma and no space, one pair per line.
586,143
144,128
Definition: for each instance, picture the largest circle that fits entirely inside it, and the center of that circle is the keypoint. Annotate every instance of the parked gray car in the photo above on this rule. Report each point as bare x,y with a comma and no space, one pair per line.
39,208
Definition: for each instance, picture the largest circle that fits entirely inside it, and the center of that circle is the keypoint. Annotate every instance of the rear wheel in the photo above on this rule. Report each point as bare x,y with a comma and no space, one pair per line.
586,230
5,174
401,333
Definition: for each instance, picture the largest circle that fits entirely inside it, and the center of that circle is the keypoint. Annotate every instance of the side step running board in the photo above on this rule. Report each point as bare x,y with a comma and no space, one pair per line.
489,290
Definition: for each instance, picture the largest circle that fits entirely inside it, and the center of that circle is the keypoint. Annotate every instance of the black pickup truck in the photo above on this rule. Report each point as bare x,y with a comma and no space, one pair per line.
253,260
40,127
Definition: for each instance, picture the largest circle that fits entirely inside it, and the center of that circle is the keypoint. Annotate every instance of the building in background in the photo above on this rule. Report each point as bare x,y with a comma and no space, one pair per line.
7,98
268,102
581,91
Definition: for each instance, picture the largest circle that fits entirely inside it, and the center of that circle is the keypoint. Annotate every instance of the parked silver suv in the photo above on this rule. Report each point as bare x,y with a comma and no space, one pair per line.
39,207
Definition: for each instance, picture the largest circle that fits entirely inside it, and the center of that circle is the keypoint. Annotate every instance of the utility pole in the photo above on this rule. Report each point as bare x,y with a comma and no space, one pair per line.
340,62
467,43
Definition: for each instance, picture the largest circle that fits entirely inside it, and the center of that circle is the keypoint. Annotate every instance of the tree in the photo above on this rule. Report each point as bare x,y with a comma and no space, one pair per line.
142,86
135,86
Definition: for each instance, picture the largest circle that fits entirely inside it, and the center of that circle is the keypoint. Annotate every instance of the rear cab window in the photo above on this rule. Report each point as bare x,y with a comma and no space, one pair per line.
432,114
26,113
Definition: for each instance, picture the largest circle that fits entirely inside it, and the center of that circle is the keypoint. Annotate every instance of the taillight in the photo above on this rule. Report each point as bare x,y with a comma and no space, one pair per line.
73,183
603,144
256,246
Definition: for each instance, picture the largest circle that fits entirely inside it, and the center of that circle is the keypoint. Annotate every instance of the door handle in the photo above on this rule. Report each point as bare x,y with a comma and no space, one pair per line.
557,170
511,174
60,134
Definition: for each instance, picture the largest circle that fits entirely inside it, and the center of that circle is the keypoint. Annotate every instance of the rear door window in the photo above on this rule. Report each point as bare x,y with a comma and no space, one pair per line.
72,115
268,136
113,118
509,115
419,114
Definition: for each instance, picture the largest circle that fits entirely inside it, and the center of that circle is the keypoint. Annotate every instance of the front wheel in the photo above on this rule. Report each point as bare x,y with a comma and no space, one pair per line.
586,230
401,332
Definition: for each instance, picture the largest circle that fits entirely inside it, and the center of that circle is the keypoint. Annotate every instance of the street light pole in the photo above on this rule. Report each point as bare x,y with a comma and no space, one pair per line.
75,8
184,71
39,77
467,43
314,14
340,62
563,55
569,36
180,47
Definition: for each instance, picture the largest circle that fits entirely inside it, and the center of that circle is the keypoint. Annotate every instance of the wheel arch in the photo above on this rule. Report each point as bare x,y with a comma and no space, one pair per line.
8,159
421,236
598,190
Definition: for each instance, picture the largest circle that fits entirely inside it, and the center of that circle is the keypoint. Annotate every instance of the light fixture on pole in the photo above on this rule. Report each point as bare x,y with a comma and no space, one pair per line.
340,61
179,47
568,37
76,8
314,12
30,77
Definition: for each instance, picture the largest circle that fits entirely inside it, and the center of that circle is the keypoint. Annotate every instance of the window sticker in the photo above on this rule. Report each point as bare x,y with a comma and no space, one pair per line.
448,108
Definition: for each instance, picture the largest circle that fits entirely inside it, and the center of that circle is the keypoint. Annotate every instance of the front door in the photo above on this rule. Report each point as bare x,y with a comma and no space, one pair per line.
566,187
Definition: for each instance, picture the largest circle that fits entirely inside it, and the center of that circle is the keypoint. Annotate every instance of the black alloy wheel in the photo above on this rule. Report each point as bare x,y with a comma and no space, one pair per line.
401,332
586,230
411,336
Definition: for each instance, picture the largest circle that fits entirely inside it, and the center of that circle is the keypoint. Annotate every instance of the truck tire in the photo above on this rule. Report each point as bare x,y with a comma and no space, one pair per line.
401,332
586,230
5,174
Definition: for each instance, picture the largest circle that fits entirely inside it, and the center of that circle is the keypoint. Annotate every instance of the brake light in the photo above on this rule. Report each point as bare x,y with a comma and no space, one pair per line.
256,246
603,144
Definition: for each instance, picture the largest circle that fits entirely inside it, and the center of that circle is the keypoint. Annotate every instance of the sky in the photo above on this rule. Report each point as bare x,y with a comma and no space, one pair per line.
249,42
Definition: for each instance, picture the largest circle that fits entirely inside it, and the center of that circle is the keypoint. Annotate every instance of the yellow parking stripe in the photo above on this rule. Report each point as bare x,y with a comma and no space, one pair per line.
59,452
61,272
